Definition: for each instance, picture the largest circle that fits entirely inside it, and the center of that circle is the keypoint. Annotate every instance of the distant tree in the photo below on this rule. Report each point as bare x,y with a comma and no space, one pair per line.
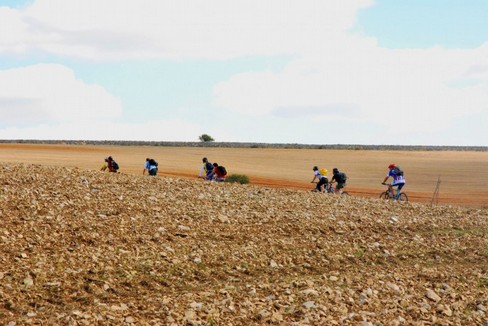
205,138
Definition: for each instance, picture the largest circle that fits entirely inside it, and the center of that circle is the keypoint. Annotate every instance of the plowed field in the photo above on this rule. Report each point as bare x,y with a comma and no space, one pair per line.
83,247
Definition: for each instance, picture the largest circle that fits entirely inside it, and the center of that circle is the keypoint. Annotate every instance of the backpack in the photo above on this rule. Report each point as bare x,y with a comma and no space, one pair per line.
115,166
398,170
153,162
222,170
209,166
323,172
341,177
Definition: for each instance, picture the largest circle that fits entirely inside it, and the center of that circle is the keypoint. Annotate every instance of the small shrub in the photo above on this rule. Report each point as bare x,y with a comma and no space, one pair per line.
239,178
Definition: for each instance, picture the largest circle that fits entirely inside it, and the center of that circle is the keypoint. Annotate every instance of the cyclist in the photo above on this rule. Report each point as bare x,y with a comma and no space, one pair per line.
340,178
206,170
321,176
110,164
151,166
396,173
218,174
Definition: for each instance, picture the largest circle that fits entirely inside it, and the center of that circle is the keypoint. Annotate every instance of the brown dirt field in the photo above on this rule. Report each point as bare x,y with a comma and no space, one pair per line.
463,174
83,247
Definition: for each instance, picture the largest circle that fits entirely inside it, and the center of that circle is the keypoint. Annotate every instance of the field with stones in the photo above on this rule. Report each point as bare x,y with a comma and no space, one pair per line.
79,246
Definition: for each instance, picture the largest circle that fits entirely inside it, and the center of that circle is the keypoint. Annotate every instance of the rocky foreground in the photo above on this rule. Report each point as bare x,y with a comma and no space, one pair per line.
86,247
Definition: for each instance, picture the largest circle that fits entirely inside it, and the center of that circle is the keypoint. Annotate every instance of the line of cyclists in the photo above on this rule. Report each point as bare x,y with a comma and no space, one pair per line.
324,185
209,171
218,173
150,166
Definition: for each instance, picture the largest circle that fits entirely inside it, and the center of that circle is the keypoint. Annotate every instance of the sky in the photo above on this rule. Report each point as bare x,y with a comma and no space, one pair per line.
276,71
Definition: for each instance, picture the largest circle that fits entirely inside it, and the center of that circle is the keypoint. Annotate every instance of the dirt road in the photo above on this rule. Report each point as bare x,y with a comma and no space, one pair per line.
463,175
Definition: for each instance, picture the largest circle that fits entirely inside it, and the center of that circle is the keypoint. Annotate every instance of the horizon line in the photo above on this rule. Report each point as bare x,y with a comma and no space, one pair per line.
244,144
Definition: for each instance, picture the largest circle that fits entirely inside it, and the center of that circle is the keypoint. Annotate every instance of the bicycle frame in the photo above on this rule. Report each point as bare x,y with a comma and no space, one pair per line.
390,194
331,189
391,191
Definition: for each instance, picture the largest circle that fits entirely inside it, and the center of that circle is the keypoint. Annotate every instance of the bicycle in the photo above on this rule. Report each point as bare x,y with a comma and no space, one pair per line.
329,188
389,194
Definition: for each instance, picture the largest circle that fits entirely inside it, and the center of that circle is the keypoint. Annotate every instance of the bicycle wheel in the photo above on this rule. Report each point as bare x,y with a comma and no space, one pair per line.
403,197
385,195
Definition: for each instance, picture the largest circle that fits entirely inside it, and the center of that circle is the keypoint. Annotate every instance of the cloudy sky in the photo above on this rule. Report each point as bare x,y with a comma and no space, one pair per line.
279,71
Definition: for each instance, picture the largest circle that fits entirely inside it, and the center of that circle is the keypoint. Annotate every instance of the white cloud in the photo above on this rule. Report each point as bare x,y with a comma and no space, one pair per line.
47,101
334,74
406,90
217,29
51,92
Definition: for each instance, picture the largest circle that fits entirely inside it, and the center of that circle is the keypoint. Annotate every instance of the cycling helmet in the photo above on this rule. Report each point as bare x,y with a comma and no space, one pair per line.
204,159
391,166
315,168
335,170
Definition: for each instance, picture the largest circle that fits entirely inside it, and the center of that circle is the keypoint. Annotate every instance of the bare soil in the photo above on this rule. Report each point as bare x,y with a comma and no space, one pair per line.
463,175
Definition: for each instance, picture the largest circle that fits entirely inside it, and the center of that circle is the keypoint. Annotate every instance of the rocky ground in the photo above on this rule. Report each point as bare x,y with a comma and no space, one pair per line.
86,247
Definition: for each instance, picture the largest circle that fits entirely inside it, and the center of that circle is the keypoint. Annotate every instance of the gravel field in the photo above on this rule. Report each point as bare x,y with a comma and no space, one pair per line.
82,247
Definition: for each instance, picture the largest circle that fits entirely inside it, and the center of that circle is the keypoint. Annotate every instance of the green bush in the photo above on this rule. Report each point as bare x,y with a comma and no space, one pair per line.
239,178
